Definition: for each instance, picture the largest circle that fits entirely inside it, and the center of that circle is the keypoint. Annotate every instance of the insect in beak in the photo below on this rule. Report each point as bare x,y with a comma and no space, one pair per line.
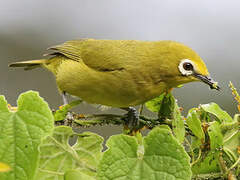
208,80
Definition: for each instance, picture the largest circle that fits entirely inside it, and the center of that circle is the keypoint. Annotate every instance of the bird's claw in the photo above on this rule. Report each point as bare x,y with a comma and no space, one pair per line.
132,118
69,119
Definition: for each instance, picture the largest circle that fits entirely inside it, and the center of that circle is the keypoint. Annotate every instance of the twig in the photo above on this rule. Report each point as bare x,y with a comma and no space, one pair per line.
192,153
235,164
198,158
233,134
222,163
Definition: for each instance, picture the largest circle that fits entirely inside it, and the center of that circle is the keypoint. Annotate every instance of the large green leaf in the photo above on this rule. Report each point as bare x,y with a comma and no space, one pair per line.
58,156
21,134
215,110
160,157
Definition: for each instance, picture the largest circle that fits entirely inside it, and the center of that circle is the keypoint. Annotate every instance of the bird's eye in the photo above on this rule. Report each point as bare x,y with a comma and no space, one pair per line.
188,66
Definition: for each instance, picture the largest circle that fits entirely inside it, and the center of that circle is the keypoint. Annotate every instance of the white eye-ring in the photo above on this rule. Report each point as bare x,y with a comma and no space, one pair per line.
186,67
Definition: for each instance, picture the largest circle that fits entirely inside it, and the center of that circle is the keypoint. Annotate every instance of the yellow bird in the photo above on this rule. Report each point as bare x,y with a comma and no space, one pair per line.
121,73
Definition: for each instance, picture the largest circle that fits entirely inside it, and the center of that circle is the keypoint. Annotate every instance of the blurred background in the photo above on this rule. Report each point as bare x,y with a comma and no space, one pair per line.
211,28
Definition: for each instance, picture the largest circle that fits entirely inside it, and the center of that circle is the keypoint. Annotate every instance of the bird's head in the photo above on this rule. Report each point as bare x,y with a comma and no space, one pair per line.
188,65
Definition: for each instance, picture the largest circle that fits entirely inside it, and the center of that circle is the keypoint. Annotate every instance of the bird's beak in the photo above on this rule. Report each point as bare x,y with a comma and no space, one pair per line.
208,80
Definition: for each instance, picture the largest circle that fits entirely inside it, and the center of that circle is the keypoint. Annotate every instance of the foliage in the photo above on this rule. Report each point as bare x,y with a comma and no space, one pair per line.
58,157
152,157
21,135
203,145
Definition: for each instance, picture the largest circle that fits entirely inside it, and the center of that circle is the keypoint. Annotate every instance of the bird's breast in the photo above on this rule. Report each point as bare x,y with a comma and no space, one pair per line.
117,88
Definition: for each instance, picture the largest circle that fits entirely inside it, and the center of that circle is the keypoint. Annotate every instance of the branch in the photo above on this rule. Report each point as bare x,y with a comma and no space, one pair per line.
80,120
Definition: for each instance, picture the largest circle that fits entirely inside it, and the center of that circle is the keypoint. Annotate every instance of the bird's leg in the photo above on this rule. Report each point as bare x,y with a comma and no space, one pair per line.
69,116
132,117
64,96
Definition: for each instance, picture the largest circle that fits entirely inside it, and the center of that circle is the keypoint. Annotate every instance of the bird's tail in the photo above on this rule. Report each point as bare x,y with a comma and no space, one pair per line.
28,65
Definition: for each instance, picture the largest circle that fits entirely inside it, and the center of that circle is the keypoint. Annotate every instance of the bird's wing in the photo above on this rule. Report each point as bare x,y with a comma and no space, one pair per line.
101,55
70,49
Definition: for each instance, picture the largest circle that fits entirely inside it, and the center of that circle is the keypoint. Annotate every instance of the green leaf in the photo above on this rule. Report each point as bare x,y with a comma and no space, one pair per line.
195,142
194,124
155,104
77,175
21,134
216,137
207,164
167,108
58,156
161,157
178,124
61,114
3,105
163,104
231,138
215,110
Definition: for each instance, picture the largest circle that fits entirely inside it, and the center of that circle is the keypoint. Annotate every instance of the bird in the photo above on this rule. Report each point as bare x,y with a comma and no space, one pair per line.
121,73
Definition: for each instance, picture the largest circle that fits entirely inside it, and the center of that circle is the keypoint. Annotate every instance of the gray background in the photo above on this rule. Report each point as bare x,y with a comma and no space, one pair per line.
211,28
